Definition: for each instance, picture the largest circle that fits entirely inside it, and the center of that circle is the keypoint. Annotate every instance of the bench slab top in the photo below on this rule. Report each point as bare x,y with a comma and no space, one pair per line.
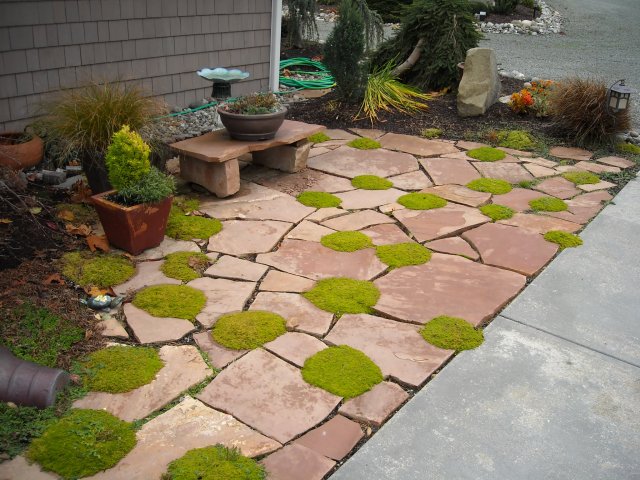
217,147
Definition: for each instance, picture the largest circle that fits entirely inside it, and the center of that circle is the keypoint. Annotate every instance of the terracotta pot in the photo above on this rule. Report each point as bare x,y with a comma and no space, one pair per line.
252,127
18,156
133,229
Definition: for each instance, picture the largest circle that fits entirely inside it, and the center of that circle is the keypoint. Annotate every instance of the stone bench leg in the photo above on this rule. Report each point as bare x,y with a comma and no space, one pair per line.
288,158
221,179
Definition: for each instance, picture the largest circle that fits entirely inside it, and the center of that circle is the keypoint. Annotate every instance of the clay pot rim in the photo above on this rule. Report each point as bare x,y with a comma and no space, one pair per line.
282,110
101,197
6,138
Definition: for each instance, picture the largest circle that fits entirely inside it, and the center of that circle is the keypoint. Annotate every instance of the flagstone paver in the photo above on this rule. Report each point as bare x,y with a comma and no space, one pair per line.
236,269
351,162
323,214
558,187
223,296
570,153
464,156
518,199
147,273
538,171
460,194
543,162
449,170
449,220
295,462
540,223
168,245
411,181
396,347
517,153
376,405
511,172
453,246
240,237
368,132
466,145
391,207
336,134
183,368
416,145
150,329
284,208
310,231
249,192
269,395
583,207
112,328
386,234
276,281
596,167
218,355
295,347
315,151
361,199
619,162
295,183
357,220
19,468
333,439
300,313
447,285
592,187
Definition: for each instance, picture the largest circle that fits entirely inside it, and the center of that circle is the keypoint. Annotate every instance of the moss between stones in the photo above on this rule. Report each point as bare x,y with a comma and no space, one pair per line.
186,204
342,370
214,463
346,241
516,139
528,183
83,443
497,212
318,199
421,201
490,185
183,227
371,182
364,144
403,254
562,238
452,334
185,266
176,301
431,133
486,154
548,204
581,178
248,330
100,270
343,295
319,137
624,147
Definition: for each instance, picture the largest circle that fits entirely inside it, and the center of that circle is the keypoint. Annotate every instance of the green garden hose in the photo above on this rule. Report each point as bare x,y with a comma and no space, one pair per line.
325,81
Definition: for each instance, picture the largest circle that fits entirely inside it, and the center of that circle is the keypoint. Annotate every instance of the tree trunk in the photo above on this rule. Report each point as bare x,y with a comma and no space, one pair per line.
411,61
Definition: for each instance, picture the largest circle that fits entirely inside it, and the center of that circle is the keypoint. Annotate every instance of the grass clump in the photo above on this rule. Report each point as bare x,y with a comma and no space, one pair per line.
341,295
516,139
121,369
176,301
452,333
364,143
319,137
214,463
497,212
624,147
342,370
431,133
486,154
318,199
102,270
562,238
581,178
371,182
421,201
183,227
185,266
490,185
83,443
403,254
527,183
346,241
248,330
548,204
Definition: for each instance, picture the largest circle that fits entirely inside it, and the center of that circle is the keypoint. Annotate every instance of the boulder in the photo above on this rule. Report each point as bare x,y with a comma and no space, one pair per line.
480,84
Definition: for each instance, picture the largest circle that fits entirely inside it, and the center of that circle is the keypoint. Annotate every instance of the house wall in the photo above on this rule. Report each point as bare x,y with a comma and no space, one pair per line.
50,45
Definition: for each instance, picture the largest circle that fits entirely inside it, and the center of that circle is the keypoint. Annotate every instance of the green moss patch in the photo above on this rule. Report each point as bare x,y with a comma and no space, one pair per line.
490,185
248,330
343,295
101,270
342,370
346,241
582,178
421,201
516,139
121,369
364,144
318,199
452,333
431,133
547,204
176,301
188,227
83,443
497,212
20,425
185,266
562,238
186,204
403,254
624,147
486,154
371,182
319,137
214,463
527,183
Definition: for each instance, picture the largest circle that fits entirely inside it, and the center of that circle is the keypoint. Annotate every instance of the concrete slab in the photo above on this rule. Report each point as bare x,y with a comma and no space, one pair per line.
623,203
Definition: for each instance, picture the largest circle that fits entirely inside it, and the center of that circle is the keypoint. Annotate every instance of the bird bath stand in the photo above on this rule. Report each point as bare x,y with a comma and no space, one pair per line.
222,80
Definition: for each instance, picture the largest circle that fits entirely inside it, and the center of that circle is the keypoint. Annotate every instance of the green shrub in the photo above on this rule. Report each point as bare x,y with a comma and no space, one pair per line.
364,143
624,147
452,333
343,295
154,187
176,301
101,270
248,330
127,158
490,185
390,10
183,227
346,241
403,254
564,239
486,154
185,266
371,182
582,178
548,204
516,139
504,7
421,201
497,212
319,137
214,463
431,133
318,199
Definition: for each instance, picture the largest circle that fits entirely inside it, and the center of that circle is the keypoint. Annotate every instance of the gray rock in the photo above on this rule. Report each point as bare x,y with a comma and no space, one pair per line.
480,84
633,134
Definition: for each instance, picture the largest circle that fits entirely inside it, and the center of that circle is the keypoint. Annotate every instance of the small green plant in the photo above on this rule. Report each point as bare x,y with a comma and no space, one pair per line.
548,204
176,301
364,143
490,185
214,463
630,148
516,139
431,133
101,270
343,295
497,212
185,266
188,227
319,137
371,182
342,370
346,241
581,178
318,199
527,183
254,104
452,333
421,201
403,254
486,154
562,238
19,425
248,330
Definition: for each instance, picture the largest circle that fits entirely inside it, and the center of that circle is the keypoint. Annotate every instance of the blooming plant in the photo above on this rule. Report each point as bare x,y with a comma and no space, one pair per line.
532,99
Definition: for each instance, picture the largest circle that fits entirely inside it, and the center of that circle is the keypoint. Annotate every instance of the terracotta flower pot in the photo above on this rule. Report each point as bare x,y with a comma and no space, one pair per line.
252,127
133,229
19,156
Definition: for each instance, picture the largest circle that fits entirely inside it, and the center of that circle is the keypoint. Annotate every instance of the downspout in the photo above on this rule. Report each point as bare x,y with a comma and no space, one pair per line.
274,65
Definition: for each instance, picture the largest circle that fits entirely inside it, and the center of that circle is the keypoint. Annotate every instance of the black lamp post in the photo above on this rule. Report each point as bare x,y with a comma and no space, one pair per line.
618,96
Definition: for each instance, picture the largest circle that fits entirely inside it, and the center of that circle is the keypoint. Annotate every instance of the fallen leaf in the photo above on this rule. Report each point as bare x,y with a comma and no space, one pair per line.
66,215
98,242
35,210
94,291
81,192
53,278
82,230
6,220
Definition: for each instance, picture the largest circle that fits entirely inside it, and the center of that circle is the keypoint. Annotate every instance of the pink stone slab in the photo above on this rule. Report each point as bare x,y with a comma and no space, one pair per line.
269,395
223,296
602,185
20,469
150,329
583,207
416,145
465,156
520,250
465,145
300,313
571,153
558,187
236,268
333,439
295,183
596,167
312,260
323,214
540,224
336,134
539,171
284,208
460,194
453,246
361,199
376,405
518,199
218,355
276,281
246,237
168,245
309,231
449,170
619,162
147,273
543,162
386,234
397,348
357,220
295,462
368,132
447,285
295,347
411,181
511,172
351,162
450,220
183,368
517,153
391,207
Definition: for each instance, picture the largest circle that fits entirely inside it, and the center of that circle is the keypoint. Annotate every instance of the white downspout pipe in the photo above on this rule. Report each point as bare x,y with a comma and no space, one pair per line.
274,66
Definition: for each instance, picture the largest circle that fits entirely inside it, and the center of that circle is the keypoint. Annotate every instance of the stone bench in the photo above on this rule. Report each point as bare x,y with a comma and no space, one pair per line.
211,160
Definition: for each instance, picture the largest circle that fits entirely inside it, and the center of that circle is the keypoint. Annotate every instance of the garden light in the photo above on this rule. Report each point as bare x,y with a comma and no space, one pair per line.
618,97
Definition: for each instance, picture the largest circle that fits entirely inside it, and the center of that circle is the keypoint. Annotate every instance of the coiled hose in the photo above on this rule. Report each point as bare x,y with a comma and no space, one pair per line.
325,81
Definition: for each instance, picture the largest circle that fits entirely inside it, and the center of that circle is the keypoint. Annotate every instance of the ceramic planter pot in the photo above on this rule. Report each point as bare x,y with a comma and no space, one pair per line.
133,229
252,127
19,156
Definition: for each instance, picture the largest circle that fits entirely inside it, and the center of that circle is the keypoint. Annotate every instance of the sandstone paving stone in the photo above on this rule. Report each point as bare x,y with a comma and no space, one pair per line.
619,162
351,162
223,296
315,261
538,171
511,172
391,207
466,145
323,214
447,285
188,425
249,192
459,194
517,153
336,134
543,162
295,183
570,153
240,237
411,181
269,395
112,328
218,355
416,145
183,368
518,199
397,348
236,268
386,234
540,223
512,248
449,220
150,329
168,245
277,281
368,132
295,347
464,156
357,220
333,144
284,208
453,246
449,170
566,168
20,469
310,231
376,405
558,187
295,462
596,167
583,207
592,187
362,199
300,313
333,439
315,151
147,273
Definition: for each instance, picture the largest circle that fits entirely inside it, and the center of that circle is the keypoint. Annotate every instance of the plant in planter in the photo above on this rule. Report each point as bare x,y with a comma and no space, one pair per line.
20,150
252,117
134,216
